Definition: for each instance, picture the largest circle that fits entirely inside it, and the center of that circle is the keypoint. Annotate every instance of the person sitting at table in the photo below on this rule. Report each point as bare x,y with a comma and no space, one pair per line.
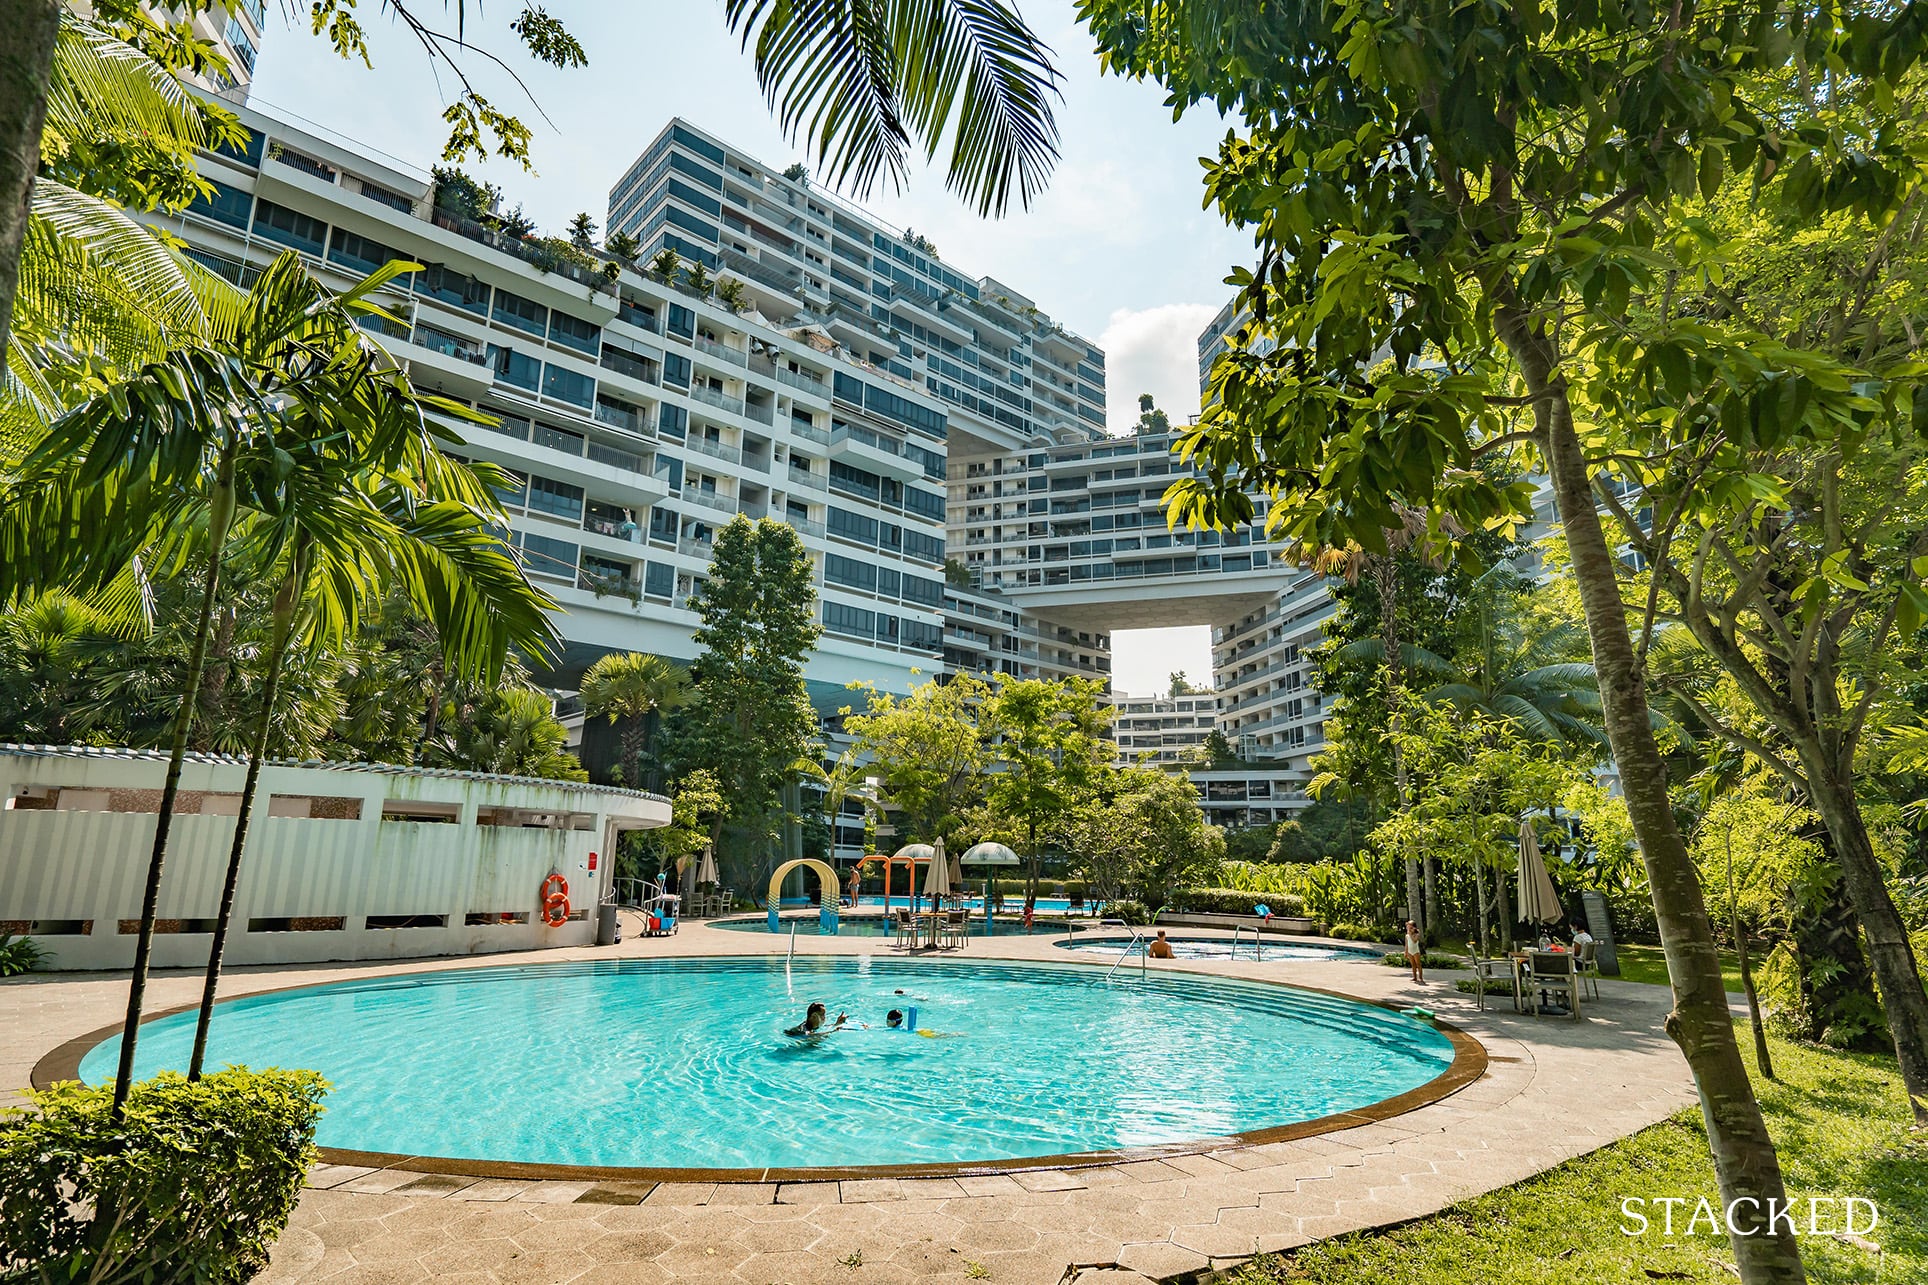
1581,937
1160,948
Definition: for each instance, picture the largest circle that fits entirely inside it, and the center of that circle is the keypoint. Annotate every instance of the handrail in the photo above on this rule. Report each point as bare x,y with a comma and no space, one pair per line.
793,942
1144,956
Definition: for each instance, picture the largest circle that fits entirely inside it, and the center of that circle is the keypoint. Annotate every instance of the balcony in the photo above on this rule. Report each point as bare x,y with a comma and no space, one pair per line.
723,400
630,419
695,549
541,258
734,356
617,458
808,383
804,526
761,412
809,432
786,283
806,480
716,450
874,452
710,499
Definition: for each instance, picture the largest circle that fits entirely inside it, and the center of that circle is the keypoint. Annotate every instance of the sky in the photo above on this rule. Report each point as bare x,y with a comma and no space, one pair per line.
1118,248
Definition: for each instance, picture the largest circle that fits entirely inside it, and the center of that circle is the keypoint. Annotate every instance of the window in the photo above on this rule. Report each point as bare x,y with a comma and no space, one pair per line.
852,526
559,439
634,365
359,253
662,526
923,547
930,504
244,52
659,579
840,570
512,367
289,227
676,370
583,336
684,192
468,293
544,556
568,385
557,498
248,151
523,314
672,421
682,321
850,622
229,205
928,592
860,481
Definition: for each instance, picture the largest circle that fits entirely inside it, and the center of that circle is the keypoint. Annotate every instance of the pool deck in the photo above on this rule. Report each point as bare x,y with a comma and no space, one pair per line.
1551,1089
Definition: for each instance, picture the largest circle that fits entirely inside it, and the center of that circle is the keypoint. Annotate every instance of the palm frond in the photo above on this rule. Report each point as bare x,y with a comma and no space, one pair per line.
102,85
864,78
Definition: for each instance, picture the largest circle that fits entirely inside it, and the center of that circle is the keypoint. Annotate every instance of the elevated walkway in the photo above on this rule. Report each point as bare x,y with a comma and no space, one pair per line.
1155,601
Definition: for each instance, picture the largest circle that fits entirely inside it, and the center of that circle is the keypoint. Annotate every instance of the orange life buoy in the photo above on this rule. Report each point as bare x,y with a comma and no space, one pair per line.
555,901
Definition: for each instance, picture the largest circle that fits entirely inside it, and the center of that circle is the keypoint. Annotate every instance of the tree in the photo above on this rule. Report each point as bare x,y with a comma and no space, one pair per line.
1183,686
1150,418
697,278
1156,823
926,750
1487,188
667,265
752,718
956,574
696,804
582,232
730,293
635,690
845,780
1049,740
507,730
624,246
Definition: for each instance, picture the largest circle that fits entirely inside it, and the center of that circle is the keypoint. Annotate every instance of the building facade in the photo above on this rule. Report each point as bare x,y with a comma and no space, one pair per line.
1163,731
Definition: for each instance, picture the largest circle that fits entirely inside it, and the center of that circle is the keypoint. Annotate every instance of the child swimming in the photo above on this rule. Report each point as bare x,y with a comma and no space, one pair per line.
813,1023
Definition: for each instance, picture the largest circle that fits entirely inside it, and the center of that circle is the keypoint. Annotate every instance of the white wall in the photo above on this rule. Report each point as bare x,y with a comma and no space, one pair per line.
69,863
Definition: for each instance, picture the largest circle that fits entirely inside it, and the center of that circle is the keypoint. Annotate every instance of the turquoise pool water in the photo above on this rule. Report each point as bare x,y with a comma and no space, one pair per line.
1267,950
873,925
683,1062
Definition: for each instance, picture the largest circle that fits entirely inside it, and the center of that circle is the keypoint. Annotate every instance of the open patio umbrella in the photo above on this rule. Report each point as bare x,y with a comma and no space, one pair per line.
989,854
914,852
1539,901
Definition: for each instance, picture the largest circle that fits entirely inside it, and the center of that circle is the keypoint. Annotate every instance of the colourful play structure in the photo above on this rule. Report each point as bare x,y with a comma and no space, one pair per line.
910,857
827,888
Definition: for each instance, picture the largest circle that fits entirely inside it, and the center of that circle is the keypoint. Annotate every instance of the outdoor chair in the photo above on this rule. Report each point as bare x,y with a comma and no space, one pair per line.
905,924
1551,972
957,928
1588,962
1501,969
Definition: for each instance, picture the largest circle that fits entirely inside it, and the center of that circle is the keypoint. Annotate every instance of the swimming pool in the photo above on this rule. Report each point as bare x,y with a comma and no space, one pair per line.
1266,951
681,1062
867,925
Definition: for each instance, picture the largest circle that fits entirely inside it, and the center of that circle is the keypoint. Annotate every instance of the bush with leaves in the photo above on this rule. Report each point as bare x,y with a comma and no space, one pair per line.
20,955
194,1183
1235,901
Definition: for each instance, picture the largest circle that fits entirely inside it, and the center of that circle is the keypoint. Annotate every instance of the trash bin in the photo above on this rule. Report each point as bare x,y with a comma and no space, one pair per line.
608,931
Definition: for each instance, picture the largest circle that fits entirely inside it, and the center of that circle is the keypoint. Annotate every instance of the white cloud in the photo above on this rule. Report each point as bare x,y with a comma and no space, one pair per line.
1153,350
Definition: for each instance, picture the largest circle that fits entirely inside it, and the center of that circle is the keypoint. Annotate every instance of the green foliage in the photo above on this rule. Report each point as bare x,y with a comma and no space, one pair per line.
624,246
696,808
1431,959
1052,749
20,955
731,294
508,731
928,751
1132,912
1143,828
1327,828
1236,901
752,719
956,574
1252,876
195,1183
582,233
637,691
1152,420
463,196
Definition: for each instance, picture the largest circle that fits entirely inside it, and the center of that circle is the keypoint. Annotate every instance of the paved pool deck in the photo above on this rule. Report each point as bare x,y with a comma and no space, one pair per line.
1551,1089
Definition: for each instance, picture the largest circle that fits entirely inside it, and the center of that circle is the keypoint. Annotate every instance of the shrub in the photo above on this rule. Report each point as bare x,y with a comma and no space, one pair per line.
20,955
1234,901
1494,986
1432,959
194,1184
1363,932
1132,912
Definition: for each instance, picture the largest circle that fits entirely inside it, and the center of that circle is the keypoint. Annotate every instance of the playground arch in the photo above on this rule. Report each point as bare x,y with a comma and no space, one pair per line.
827,886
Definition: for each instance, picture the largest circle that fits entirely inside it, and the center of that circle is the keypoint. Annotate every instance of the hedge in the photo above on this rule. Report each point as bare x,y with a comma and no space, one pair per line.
193,1184
1232,901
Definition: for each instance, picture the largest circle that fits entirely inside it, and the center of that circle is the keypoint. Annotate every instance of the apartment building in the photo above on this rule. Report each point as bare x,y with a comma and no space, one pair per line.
637,418
984,633
1163,731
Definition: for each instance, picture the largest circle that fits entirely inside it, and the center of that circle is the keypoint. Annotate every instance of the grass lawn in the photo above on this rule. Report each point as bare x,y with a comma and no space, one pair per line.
1649,964
1839,1120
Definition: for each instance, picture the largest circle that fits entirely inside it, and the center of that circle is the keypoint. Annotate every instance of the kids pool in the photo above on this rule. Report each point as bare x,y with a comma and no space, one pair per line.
683,1063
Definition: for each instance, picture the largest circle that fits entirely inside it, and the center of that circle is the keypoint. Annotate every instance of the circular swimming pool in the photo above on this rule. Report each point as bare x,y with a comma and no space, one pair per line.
682,1063
1265,951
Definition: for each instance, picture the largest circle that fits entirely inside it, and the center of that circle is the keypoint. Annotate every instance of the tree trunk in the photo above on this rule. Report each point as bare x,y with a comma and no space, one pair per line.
32,28
1838,1004
1889,951
1430,872
1504,908
1762,1059
1745,1162
284,620
1479,895
220,515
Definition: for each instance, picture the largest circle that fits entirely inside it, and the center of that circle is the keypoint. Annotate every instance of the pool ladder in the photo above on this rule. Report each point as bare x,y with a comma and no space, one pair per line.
1258,948
1137,939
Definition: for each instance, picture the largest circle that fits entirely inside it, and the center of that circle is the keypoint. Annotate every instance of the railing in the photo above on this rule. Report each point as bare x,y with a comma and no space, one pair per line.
624,417
754,269
716,449
695,548
809,432
761,412
805,478
715,349
710,499
617,458
724,400
804,526
612,527
863,436
448,346
521,249
809,383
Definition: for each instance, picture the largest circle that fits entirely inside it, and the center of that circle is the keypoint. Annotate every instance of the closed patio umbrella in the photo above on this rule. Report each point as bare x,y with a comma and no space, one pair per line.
937,882
707,873
1539,901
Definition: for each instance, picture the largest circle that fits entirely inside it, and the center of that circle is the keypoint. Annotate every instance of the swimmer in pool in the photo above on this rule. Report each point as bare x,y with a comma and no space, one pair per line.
895,1018
813,1022
1161,949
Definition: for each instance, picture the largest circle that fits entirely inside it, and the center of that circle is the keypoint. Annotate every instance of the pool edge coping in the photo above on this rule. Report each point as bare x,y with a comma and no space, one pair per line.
1469,1064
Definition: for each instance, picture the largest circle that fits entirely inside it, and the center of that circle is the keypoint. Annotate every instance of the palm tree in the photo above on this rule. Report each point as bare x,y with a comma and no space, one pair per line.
845,779
636,690
509,731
